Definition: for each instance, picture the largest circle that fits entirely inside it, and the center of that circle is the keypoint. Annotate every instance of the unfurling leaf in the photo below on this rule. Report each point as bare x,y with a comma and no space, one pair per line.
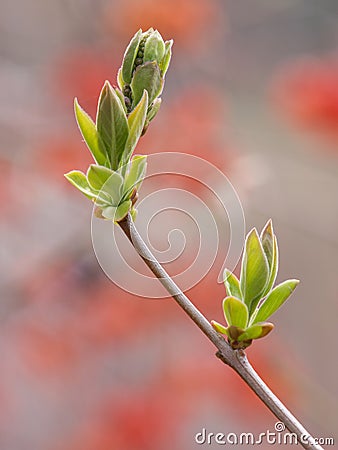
254,271
275,300
112,124
235,312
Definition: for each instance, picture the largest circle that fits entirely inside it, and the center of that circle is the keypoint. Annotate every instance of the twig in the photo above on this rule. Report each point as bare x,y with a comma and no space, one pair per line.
233,358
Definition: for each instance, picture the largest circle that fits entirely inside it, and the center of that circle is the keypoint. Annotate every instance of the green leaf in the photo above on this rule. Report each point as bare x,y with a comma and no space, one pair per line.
275,300
79,180
256,331
130,56
154,48
112,124
235,312
147,76
90,135
219,328
117,214
254,271
106,181
137,169
136,120
231,283
164,64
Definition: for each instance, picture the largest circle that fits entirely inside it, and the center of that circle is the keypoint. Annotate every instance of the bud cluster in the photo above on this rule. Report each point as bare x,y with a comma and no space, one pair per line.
145,63
123,116
252,299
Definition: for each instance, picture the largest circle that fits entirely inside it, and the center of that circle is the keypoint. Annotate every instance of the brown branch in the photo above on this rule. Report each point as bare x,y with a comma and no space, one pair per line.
233,358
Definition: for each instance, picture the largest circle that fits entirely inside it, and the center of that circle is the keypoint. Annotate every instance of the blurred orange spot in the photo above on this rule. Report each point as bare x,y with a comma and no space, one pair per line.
191,123
6,170
186,21
307,91
45,353
59,155
81,73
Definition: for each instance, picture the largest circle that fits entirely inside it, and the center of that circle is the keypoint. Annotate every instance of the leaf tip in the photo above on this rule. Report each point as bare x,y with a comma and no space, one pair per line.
268,228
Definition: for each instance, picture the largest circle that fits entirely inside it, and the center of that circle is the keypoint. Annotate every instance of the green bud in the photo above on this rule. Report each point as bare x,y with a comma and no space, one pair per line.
145,63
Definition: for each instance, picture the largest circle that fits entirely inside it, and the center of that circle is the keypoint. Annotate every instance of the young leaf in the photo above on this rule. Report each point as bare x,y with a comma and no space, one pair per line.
164,64
136,120
231,283
275,300
256,331
79,180
112,124
90,135
147,76
254,271
235,312
137,169
219,328
129,57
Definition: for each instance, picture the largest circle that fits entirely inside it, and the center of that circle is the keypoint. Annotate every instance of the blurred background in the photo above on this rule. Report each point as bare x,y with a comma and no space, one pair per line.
252,88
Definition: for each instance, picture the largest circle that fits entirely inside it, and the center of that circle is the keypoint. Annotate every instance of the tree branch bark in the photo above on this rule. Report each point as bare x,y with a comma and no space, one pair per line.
233,358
